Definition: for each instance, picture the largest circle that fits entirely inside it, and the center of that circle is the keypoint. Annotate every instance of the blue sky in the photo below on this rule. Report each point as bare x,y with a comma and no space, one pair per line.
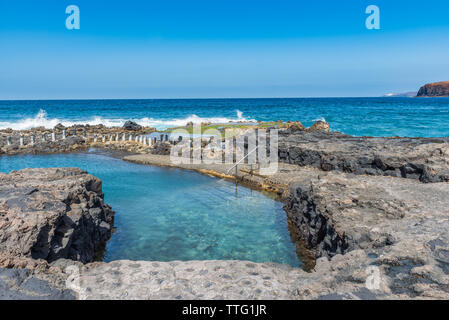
200,49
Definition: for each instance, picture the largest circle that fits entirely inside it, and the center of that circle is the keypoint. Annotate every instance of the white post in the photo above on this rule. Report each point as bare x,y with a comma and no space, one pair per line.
110,137
43,137
103,139
21,140
32,139
136,138
124,137
130,137
63,134
116,137
95,137
53,136
8,141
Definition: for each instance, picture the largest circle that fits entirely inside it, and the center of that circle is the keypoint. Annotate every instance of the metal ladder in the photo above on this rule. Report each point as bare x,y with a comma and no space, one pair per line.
238,162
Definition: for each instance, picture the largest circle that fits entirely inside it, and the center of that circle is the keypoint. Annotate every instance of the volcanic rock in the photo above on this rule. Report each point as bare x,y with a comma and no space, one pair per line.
53,213
130,125
425,159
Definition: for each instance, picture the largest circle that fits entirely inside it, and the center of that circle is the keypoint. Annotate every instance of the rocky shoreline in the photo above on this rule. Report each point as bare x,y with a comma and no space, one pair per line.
425,159
373,212
68,139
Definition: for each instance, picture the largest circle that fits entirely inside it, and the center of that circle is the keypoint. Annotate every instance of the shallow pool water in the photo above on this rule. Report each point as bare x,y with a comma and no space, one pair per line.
172,214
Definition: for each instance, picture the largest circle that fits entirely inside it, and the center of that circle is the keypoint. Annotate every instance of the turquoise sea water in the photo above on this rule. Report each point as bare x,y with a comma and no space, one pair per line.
171,214
413,117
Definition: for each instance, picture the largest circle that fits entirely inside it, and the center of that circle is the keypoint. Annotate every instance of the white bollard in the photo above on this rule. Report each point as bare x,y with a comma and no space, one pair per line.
95,137
130,137
116,136
103,138
110,137
53,136
32,139
64,134
21,140
124,137
44,138
8,141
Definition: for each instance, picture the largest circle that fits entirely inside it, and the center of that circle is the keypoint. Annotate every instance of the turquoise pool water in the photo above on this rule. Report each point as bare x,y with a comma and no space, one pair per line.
171,214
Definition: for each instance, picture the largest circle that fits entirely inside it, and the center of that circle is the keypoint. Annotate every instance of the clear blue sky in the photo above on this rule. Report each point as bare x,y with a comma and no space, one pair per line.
217,48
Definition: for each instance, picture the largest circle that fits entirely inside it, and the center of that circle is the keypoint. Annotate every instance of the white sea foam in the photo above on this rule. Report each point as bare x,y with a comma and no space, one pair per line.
42,120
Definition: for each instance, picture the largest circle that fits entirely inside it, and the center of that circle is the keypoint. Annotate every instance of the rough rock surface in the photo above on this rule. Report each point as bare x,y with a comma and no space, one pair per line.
401,224
22,284
426,159
161,148
51,214
437,89
130,125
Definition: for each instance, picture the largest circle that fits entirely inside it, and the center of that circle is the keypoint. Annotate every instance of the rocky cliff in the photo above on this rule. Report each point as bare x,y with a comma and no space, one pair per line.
437,89
51,214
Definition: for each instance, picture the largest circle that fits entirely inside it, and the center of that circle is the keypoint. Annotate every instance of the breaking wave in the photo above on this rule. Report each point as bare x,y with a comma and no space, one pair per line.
42,120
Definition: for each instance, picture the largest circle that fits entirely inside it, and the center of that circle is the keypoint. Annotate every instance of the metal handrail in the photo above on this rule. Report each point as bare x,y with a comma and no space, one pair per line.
238,162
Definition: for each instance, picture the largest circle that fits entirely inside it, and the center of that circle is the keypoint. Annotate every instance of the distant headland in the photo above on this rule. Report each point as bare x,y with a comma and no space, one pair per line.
436,89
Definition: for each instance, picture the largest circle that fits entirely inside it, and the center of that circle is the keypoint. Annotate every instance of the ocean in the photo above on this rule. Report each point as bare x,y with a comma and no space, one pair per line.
412,117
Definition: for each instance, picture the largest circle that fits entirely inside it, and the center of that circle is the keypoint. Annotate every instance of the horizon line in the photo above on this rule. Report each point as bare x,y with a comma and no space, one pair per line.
208,98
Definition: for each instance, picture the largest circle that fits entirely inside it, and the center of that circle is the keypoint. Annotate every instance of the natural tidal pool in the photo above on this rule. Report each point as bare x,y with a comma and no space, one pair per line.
172,214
